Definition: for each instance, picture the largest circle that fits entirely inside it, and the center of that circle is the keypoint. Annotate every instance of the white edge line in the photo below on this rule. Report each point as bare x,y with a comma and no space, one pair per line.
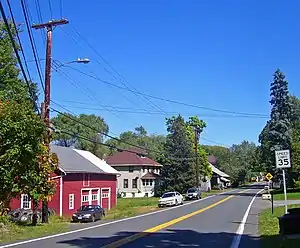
237,239
105,224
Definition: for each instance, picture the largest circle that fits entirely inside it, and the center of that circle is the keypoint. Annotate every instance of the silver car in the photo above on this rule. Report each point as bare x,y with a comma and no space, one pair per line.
193,193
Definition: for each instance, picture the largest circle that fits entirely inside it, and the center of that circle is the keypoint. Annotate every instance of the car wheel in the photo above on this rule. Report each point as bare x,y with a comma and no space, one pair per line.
93,218
176,202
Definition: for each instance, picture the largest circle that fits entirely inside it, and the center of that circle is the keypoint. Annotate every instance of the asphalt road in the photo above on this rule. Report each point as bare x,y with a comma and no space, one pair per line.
217,221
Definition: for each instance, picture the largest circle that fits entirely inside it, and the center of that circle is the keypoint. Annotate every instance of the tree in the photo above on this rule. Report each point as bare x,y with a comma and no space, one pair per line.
152,144
72,124
178,171
295,123
25,161
194,123
277,133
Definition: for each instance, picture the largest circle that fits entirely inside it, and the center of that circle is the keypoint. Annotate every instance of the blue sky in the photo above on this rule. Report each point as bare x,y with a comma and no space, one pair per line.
217,54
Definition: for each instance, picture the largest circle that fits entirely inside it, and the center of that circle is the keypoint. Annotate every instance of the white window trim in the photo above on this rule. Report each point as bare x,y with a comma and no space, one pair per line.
22,201
83,196
71,196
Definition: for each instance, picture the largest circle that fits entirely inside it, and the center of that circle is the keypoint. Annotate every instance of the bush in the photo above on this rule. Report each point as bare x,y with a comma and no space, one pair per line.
297,184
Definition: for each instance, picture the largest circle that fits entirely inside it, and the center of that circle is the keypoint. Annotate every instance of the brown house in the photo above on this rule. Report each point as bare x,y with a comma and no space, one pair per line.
139,174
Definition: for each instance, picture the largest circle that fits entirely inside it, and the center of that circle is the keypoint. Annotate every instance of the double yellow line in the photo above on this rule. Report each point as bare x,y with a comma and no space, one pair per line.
134,237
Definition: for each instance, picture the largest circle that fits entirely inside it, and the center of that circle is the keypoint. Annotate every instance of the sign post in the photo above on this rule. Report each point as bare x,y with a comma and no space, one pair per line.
283,161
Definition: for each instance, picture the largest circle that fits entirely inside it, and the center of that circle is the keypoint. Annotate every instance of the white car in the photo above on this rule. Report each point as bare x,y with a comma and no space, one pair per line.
170,199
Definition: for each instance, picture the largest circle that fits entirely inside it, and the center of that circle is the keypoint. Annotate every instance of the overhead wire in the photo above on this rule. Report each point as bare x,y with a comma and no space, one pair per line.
151,112
32,43
40,19
168,100
122,80
78,85
18,56
50,8
111,87
19,40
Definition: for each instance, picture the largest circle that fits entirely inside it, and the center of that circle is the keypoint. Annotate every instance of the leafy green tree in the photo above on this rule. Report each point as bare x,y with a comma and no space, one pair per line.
277,133
204,167
178,171
25,162
295,122
73,125
153,144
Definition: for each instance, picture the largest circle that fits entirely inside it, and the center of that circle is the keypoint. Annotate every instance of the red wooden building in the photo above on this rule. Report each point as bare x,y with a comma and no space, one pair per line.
82,179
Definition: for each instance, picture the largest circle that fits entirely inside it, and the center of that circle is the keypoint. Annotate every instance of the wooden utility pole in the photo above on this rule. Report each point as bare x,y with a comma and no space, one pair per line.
46,104
196,154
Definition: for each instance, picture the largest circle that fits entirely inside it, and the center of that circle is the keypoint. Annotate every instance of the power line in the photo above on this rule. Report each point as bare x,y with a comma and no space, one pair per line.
123,80
117,148
50,8
33,44
168,100
78,85
17,55
40,19
151,112
94,129
18,37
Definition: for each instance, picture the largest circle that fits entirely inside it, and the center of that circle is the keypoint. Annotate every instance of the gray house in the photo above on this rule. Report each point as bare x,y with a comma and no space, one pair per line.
139,174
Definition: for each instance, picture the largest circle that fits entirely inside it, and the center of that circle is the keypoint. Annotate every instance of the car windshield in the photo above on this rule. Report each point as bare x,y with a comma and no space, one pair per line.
87,208
166,195
192,190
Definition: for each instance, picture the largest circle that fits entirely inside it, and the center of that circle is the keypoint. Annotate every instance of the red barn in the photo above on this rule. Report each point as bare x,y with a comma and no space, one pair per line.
82,179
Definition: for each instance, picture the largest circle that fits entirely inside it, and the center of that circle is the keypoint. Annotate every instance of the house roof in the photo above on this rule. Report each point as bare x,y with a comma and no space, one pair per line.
217,171
150,175
212,159
76,161
126,158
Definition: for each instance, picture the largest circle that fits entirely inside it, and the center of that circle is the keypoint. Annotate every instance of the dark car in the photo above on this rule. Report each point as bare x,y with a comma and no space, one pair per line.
88,213
193,193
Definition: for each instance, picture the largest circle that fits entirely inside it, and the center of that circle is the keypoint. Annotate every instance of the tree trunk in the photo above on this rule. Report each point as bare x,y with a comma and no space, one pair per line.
35,212
45,212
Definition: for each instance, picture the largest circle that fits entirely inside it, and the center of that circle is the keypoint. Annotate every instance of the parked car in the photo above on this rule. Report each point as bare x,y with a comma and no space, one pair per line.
193,193
88,213
170,199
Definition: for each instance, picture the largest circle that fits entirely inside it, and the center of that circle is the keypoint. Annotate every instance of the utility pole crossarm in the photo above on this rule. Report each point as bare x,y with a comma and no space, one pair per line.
50,24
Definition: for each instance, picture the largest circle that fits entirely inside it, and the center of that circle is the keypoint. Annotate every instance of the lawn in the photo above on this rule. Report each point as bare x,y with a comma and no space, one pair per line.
269,229
128,207
10,232
292,194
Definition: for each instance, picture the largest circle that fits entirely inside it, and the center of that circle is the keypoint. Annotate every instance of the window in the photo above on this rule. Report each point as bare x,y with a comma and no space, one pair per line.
148,182
94,197
71,201
134,183
25,202
86,179
131,168
85,198
125,183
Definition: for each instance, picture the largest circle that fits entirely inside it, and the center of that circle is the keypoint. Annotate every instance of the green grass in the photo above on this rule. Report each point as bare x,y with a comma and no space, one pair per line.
128,207
292,194
269,229
10,232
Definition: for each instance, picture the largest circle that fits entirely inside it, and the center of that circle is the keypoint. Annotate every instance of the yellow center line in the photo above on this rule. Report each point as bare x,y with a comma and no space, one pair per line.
134,237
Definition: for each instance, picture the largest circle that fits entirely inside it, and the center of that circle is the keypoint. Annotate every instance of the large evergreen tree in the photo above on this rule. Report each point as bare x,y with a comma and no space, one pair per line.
277,133
178,171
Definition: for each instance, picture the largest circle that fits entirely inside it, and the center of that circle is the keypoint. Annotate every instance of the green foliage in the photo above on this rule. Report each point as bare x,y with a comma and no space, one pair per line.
25,164
178,171
239,161
97,124
153,144
277,133
204,167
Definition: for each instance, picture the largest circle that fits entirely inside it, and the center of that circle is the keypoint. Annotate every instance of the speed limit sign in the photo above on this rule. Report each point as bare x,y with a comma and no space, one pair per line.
283,159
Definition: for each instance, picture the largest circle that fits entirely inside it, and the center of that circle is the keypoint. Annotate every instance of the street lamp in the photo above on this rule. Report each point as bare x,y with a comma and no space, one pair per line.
79,61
